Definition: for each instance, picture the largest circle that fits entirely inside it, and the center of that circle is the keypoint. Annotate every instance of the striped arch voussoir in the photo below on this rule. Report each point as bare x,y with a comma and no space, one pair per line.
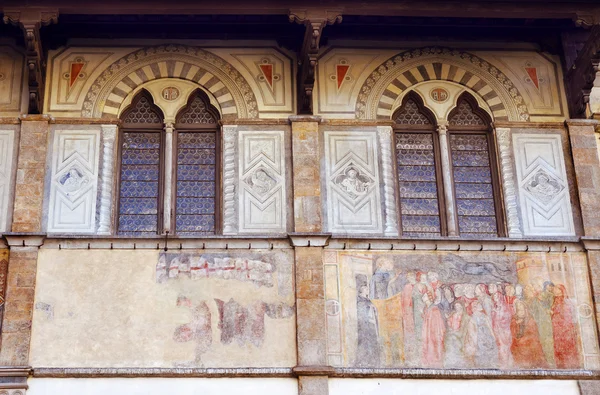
214,74
381,90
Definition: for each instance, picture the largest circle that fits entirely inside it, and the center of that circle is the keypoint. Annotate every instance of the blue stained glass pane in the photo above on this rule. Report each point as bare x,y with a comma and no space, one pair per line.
139,173
470,158
196,156
477,224
138,210
418,189
419,223
419,206
195,205
196,172
416,173
414,141
196,140
141,157
472,174
195,189
138,206
139,189
203,224
473,191
137,223
468,142
415,157
475,206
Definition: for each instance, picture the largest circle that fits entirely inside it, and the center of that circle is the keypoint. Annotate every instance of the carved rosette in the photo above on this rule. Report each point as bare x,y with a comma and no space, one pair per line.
229,177
513,221
109,134
391,217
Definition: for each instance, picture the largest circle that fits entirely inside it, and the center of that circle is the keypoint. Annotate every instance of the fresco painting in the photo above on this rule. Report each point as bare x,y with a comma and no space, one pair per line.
477,310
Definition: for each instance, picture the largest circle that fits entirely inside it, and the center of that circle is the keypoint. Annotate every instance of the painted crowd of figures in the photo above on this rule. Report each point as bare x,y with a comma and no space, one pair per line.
415,320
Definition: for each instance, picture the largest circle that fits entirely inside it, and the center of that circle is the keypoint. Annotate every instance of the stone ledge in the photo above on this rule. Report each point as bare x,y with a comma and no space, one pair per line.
309,239
305,118
581,122
313,370
160,372
415,373
14,377
16,240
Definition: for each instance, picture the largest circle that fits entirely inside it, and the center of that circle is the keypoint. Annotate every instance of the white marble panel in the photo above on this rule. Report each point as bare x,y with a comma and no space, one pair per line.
543,186
6,169
74,181
352,182
261,170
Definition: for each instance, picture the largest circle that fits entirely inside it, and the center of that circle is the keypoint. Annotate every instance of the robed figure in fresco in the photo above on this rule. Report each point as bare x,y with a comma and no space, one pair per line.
526,346
566,344
433,332
367,352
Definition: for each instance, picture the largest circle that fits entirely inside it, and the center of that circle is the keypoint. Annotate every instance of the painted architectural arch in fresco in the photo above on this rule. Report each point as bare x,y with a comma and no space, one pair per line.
469,310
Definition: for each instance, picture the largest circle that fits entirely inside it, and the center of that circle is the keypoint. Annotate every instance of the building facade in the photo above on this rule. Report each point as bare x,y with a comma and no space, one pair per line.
350,198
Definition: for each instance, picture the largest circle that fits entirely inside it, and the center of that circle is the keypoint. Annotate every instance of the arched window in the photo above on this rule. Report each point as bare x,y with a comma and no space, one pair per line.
474,171
140,185
196,192
419,176
447,175
169,178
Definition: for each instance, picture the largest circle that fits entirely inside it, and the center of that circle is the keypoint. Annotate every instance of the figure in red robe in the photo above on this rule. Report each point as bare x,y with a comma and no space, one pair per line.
501,319
566,338
526,347
433,333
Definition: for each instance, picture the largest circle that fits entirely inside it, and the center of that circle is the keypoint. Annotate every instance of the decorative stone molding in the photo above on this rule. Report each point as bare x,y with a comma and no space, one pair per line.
161,372
396,75
513,222
74,181
109,135
451,215
543,185
16,240
391,216
309,239
236,98
229,177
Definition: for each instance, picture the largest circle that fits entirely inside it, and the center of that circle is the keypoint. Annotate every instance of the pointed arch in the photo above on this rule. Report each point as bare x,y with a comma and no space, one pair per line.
413,112
142,110
198,110
467,113
401,72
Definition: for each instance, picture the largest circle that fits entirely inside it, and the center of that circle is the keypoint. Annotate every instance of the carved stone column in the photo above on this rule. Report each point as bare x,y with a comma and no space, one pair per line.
109,135
168,192
311,329
503,136
31,170
451,217
386,137
229,180
20,291
306,155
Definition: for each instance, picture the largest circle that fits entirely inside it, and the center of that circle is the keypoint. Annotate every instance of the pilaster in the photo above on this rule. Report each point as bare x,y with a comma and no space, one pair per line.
306,149
31,169
311,329
20,292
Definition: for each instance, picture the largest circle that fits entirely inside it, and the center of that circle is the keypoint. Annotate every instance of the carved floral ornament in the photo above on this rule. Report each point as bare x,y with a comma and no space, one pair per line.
376,84
244,100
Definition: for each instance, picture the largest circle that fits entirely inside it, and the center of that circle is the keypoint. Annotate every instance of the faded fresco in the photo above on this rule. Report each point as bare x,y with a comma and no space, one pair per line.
473,310
203,308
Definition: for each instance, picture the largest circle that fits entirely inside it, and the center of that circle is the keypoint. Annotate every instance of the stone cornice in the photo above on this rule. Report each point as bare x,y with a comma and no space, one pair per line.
305,118
309,239
582,122
160,372
24,240
529,125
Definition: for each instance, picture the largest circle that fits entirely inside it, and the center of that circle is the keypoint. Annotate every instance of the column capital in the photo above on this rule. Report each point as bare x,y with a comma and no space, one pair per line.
17,239
442,127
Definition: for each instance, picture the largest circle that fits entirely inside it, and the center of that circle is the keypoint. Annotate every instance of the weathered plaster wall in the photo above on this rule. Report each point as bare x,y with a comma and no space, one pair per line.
152,309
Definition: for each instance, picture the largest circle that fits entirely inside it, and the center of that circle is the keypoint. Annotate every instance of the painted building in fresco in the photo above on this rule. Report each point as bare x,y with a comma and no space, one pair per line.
299,199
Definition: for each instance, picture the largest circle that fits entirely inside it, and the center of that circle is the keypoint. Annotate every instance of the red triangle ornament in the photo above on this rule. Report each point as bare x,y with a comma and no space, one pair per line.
532,72
267,71
341,71
75,70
